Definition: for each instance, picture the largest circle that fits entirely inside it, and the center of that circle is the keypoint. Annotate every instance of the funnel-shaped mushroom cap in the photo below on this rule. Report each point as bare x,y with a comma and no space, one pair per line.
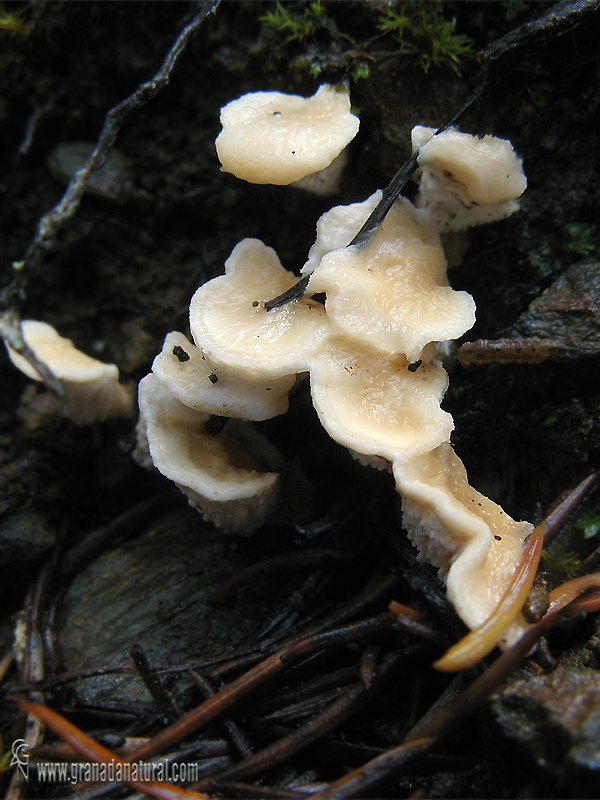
375,405
91,389
217,474
229,322
466,180
213,388
271,137
392,293
476,545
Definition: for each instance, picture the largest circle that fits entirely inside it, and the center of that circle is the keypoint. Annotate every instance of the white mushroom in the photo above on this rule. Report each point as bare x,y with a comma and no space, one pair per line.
271,137
393,293
472,541
216,472
205,385
229,322
375,405
466,180
91,388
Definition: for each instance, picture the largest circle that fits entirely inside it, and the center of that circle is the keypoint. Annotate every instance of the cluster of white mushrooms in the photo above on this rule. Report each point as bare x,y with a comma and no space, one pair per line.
371,351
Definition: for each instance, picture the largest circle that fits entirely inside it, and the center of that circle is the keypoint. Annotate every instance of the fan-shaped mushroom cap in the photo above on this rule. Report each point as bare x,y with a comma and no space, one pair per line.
375,405
475,544
213,388
91,388
466,180
229,322
218,475
392,293
271,137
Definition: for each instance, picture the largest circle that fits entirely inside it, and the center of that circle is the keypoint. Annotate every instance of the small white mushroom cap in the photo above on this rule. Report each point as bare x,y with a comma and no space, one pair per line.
91,388
466,180
218,475
229,322
473,542
393,293
204,385
271,137
337,227
375,405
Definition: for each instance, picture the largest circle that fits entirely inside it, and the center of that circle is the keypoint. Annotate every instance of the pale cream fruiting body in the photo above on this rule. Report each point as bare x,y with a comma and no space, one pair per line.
466,180
472,541
393,293
374,405
206,385
91,388
229,321
371,353
217,473
272,137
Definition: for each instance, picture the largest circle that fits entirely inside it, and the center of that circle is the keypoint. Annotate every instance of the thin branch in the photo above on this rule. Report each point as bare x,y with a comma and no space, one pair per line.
51,223
159,692
240,687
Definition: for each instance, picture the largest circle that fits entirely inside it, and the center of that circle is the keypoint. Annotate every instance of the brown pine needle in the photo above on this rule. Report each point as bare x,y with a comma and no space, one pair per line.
482,640
569,591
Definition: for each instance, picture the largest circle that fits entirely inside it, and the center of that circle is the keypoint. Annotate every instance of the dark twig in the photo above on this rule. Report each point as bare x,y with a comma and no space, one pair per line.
304,708
312,731
32,125
51,223
236,735
589,564
370,595
298,694
557,517
159,692
240,687
558,21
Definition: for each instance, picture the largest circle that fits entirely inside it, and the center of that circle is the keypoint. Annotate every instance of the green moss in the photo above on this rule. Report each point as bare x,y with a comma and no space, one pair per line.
583,240
13,21
422,31
561,563
370,33
589,524
293,25
360,71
